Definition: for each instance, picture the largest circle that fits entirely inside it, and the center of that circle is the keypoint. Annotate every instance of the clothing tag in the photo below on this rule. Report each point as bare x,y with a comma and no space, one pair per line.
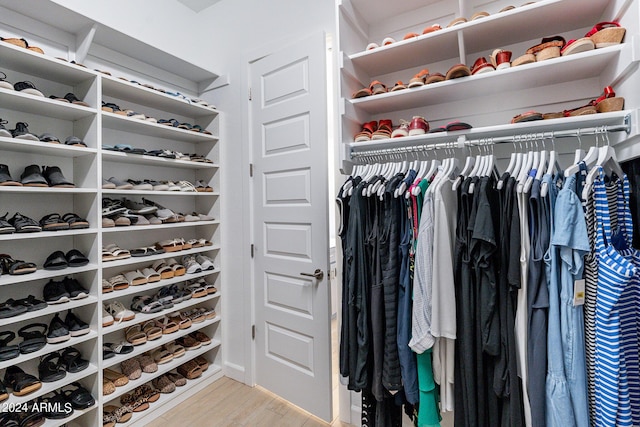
578,292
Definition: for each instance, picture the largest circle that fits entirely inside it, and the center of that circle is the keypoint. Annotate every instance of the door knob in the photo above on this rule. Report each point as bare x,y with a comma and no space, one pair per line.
318,274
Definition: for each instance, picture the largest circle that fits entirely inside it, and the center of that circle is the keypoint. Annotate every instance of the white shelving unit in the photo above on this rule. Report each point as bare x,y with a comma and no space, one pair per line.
489,100
86,167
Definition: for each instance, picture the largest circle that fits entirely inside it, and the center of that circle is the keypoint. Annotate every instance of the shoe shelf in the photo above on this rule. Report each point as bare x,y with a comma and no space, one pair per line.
162,193
49,348
51,309
44,148
49,387
132,92
163,369
17,58
151,258
143,127
157,285
64,421
533,127
46,234
144,317
114,156
488,33
167,400
553,71
44,274
34,104
48,190
158,227
166,338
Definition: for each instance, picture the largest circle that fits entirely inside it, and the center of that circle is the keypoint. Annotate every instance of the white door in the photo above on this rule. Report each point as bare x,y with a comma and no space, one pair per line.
290,225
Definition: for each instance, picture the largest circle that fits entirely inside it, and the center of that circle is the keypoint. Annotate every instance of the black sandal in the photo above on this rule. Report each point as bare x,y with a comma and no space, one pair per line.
56,261
73,361
53,222
4,395
56,406
8,352
75,221
21,382
75,258
50,368
80,398
33,340
31,303
15,267
9,308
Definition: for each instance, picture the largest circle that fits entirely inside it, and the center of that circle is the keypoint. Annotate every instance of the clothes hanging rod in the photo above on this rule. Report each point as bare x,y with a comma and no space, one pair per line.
462,142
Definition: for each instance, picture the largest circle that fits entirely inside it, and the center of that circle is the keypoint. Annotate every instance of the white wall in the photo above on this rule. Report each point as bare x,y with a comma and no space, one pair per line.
220,39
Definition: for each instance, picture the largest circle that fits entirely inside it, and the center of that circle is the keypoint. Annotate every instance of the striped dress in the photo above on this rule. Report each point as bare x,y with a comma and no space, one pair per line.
591,286
617,386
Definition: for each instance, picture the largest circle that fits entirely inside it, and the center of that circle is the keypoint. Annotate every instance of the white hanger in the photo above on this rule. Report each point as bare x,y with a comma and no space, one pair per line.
574,168
468,166
552,166
524,172
510,166
607,160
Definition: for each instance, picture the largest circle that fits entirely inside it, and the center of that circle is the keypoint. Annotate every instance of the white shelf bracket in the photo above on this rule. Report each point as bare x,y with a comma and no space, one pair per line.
84,39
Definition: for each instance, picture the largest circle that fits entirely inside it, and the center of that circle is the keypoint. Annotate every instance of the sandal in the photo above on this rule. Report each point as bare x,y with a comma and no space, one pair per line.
180,319
21,382
8,352
178,269
107,387
113,414
119,312
418,79
161,355
119,379
33,337
167,325
194,315
15,267
53,222
113,252
527,117
197,290
80,398
72,360
135,277
377,88
548,48
383,132
147,364
56,261
201,336
202,362
146,304
165,271
9,308
164,384
75,221
176,349
54,406
151,275
605,34
118,282
119,348
135,336
131,368
367,131
171,245
189,343
177,379
152,331
50,368
190,370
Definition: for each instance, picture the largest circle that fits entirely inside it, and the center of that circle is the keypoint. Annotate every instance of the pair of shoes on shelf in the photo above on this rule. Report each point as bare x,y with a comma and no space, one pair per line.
55,366
61,331
58,260
61,291
33,176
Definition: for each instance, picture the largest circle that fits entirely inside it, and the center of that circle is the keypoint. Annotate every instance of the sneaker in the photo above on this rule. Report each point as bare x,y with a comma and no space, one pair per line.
74,289
76,326
32,177
27,87
107,319
190,263
55,178
3,130
5,177
58,331
5,226
22,132
55,293
24,224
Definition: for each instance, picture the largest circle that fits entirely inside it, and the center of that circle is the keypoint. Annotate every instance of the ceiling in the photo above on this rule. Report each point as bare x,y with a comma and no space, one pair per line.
198,5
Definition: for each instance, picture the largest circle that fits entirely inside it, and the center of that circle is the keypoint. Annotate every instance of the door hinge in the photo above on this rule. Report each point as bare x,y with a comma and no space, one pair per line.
251,170
252,250
250,97
253,332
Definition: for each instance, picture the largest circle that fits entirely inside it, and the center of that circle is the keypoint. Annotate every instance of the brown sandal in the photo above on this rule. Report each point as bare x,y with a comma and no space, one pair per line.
164,384
190,370
118,379
131,368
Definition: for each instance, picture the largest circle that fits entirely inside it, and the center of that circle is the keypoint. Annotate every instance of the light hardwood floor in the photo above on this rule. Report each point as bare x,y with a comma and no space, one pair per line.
230,403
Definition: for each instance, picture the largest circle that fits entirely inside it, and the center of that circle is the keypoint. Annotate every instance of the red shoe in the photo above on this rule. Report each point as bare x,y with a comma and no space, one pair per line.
367,131
418,126
384,130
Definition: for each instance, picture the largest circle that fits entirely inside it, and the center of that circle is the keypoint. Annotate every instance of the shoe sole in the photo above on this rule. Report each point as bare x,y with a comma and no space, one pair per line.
80,332
28,389
59,301
57,340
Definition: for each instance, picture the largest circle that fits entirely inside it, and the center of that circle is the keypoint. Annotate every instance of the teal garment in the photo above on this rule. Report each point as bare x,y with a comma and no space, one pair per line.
428,413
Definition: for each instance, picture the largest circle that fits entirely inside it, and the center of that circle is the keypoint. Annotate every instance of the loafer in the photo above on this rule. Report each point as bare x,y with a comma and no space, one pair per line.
5,177
32,177
55,178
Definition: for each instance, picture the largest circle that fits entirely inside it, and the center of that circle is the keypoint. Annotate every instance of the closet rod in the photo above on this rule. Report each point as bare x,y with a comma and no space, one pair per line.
522,138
